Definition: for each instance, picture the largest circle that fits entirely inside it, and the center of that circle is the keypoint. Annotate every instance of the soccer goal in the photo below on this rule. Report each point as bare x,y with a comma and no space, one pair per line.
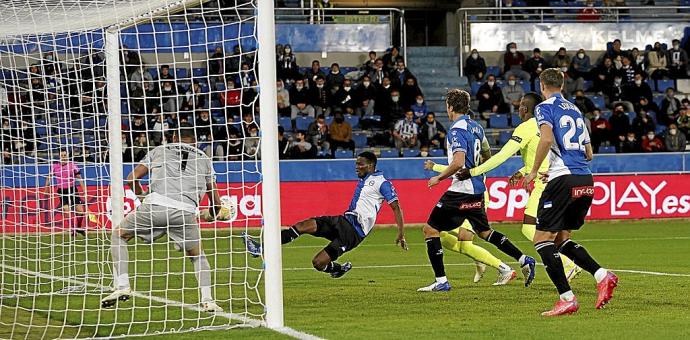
87,89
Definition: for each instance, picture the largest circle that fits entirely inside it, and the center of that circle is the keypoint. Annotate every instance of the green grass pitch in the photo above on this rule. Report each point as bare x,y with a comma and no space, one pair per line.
377,299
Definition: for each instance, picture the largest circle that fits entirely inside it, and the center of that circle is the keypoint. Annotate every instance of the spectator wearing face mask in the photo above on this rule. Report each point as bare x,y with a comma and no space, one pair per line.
394,111
620,124
475,67
283,99
581,66
629,144
670,107
314,73
561,60
615,53
320,97
674,140
405,132
513,61
677,61
432,133
383,97
334,78
512,93
378,73
419,108
490,97
638,89
369,65
642,123
535,65
615,95
299,101
301,148
317,133
231,98
589,13
683,122
365,95
340,134
344,98
288,70
627,71
638,59
603,76
584,104
658,62
401,74
390,59
652,143
601,129
408,92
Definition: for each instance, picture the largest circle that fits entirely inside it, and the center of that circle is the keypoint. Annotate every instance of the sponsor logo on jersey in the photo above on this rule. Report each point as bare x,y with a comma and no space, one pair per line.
516,138
548,204
471,205
577,192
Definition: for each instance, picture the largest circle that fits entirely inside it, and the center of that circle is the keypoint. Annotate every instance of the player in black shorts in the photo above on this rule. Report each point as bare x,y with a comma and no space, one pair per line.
67,176
347,231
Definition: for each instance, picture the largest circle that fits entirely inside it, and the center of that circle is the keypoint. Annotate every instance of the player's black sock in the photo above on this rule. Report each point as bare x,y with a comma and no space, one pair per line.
503,244
288,235
554,266
80,222
332,267
579,255
435,252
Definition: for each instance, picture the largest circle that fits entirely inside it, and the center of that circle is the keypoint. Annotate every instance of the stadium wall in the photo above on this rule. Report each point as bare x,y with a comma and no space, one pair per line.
631,186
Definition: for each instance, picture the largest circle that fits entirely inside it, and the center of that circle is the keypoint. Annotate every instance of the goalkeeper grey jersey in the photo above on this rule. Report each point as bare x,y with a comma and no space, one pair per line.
178,175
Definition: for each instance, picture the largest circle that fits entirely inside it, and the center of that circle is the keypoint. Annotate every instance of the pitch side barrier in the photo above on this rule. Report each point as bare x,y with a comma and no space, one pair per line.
630,186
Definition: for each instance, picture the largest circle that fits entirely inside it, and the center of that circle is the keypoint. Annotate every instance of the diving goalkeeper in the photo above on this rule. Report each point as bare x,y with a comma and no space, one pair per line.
180,175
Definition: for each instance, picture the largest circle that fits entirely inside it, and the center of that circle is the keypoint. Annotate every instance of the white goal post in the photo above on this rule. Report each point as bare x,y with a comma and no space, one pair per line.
87,89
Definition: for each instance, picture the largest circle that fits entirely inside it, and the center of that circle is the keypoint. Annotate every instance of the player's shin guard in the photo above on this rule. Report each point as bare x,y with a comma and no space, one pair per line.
503,244
203,275
478,253
118,250
288,235
580,255
554,266
529,230
435,252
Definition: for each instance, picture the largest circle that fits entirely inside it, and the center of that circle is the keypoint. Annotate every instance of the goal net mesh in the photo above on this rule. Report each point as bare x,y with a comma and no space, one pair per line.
181,62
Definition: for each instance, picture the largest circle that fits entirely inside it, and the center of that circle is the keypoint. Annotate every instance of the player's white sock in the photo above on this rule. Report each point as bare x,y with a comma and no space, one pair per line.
441,279
522,260
118,250
600,274
504,268
203,275
568,296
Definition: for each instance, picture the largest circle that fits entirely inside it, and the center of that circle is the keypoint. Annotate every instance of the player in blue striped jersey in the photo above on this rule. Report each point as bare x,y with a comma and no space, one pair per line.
568,194
464,199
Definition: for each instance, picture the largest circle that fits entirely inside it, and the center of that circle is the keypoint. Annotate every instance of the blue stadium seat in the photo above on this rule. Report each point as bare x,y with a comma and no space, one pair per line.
220,87
389,153
658,98
89,123
474,87
660,129
181,73
123,91
360,140
631,116
650,82
436,153
537,89
607,149
498,121
302,123
525,86
588,84
153,71
515,120
103,121
353,120
41,131
495,70
124,107
491,138
199,72
606,114
410,153
286,123
504,136
663,84
343,154
598,101
329,120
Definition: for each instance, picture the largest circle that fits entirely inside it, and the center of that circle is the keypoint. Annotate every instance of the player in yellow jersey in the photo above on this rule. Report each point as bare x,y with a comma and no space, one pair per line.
525,139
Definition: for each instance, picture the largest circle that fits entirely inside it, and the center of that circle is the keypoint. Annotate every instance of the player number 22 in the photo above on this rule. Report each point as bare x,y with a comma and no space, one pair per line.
573,125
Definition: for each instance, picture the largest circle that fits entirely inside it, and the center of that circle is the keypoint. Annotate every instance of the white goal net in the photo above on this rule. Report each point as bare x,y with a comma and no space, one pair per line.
76,121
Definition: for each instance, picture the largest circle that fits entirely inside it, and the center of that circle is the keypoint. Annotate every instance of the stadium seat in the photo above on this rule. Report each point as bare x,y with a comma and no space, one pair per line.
498,121
504,136
683,84
154,72
41,131
89,123
302,123
286,123
220,87
410,153
436,153
606,114
631,116
537,89
343,154
607,149
588,84
660,129
181,73
495,70
103,121
329,120
199,72
474,87
353,120
124,107
598,101
525,86
663,84
658,98
360,140
389,153
515,120
491,138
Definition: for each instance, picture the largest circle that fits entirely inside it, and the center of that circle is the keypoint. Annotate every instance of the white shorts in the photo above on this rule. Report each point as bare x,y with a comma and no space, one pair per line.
149,222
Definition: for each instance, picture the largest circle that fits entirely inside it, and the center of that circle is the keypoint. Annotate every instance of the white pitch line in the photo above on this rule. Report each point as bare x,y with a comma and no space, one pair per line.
230,316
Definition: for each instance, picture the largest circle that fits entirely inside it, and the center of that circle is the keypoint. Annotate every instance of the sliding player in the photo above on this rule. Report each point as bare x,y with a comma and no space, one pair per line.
464,200
525,139
568,194
180,175
347,231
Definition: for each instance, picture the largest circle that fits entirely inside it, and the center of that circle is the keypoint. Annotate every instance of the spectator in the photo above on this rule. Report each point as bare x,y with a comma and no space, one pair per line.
646,105
615,94
652,143
378,73
204,133
283,144
629,143
251,136
383,97
627,71
513,61
405,132
684,122
168,96
233,63
195,98
288,70
620,123
535,65
299,101
231,98
138,124
604,76
677,61
235,147
335,79
301,148
344,98
401,74
658,62
615,53
589,13
580,65
390,59
601,129
314,73
159,125
283,99
320,97
394,111
490,97
140,82
584,104
675,141
512,93
246,79
419,108
670,107
127,151
215,62
432,133
340,134
6,137
475,67
369,65
140,147
317,134
561,60
165,74
642,123
365,95
408,92
638,59
638,89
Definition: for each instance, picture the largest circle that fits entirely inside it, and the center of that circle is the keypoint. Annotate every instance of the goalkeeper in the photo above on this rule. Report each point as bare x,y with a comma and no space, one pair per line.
180,175
525,139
